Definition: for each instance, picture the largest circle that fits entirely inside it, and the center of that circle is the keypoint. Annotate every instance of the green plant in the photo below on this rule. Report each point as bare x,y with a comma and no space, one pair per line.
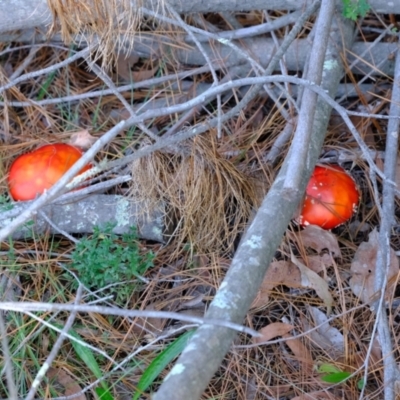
352,9
334,375
5,203
106,260
160,362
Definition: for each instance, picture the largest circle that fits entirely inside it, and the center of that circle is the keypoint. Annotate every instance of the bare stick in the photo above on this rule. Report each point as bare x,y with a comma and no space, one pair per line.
55,349
390,372
27,306
45,71
8,366
204,352
302,137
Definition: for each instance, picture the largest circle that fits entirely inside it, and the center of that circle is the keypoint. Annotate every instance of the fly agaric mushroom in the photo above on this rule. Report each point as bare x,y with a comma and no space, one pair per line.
331,198
33,173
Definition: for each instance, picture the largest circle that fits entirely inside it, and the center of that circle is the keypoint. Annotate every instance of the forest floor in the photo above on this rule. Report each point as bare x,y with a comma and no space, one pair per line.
313,309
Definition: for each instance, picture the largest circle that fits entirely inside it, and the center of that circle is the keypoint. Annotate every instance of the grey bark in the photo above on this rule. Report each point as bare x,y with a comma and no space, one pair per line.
208,346
391,371
83,215
25,14
148,46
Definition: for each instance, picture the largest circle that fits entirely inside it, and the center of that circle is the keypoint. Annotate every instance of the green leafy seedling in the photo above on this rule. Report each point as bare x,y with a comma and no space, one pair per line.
352,9
335,375
332,373
106,259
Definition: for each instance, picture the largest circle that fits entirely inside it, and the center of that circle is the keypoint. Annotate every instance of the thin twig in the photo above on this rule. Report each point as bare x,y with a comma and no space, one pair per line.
45,71
8,364
55,349
208,61
27,306
106,79
302,137
251,31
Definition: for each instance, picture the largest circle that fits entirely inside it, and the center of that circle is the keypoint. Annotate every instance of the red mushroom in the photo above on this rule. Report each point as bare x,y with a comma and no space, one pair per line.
32,173
331,198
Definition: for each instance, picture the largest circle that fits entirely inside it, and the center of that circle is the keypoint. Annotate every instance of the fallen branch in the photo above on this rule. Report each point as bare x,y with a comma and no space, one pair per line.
95,210
23,14
208,346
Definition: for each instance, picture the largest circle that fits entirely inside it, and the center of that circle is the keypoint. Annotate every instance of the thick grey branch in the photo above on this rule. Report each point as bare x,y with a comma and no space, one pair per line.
23,14
391,372
208,346
83,215
263,49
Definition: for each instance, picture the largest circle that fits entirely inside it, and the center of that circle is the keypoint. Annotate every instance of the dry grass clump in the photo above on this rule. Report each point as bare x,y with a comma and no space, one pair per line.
110,24
210,196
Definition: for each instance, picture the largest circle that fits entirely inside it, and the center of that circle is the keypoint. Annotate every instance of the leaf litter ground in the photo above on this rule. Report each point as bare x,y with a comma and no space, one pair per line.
313,306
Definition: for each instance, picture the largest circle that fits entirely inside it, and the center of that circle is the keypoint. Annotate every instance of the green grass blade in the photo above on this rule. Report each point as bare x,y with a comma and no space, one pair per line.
104,394
86,355
160,362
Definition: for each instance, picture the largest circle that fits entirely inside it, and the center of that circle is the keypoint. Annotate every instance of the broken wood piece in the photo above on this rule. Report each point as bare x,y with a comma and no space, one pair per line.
95,210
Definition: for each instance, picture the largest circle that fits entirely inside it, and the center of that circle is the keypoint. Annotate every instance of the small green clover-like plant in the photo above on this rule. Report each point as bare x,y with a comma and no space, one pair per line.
106,259
352,9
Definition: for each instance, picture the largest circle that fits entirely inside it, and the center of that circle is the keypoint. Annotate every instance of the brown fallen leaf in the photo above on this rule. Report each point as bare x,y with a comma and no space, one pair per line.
363,269
320,263
279,273
313,281
149,327
273,330
327,337
82,139
124,66
301,353
319,239
59,377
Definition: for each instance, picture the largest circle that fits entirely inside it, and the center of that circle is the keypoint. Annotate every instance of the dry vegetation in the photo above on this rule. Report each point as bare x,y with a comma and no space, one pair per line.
211,185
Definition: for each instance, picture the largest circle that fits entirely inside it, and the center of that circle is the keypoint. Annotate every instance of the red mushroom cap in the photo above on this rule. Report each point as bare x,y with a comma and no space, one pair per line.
33,173
331,198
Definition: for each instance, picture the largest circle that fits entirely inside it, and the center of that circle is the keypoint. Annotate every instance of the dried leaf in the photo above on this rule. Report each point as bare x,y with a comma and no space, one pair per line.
319,239
61,377
124,69
82,139
124,64
151,327
320,263
279,273
300,351
312,280
273,330
327,337
363,269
